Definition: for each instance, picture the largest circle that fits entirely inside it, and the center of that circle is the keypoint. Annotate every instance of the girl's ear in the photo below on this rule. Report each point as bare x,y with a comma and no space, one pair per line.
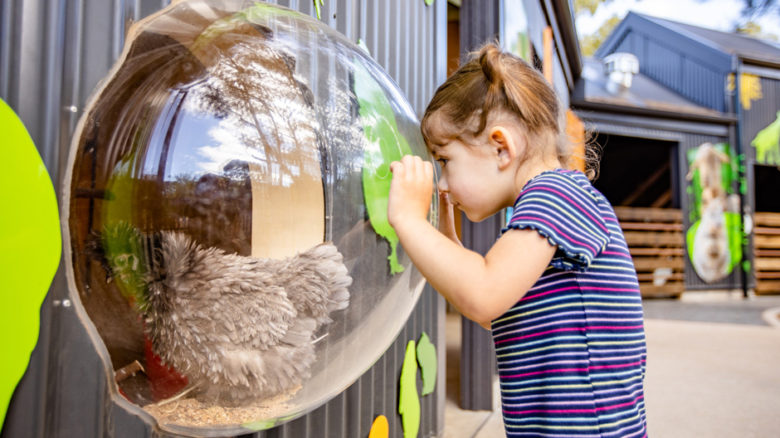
504,144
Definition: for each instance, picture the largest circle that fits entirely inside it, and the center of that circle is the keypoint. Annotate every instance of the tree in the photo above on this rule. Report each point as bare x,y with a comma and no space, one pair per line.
589,43
745,24
751,11
757,8
580,6
754,29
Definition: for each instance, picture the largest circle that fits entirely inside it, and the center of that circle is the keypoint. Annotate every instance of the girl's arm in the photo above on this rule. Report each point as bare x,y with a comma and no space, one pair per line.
481,288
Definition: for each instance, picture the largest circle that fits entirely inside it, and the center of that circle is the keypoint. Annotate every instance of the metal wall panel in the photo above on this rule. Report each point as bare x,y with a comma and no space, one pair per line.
761,112
758,116
479,23
53,53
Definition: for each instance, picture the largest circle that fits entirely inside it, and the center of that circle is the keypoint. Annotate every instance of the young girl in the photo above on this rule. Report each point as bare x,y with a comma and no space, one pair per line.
558,289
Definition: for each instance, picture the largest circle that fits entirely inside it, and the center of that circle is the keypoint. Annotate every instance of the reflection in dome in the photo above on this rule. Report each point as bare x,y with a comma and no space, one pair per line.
226,215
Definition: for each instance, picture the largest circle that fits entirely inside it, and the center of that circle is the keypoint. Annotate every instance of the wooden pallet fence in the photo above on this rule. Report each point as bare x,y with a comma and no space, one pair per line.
656,241
766,252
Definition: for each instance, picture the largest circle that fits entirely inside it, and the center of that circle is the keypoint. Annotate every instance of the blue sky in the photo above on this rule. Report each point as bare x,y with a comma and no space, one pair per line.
712,14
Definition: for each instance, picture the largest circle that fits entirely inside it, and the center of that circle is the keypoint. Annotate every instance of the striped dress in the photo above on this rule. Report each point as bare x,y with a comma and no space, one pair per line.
571,353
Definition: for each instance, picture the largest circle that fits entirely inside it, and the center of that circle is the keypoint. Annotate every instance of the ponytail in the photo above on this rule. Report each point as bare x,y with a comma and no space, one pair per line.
496,80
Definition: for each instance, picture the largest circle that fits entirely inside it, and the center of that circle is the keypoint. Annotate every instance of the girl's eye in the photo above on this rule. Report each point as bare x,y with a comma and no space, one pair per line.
442,161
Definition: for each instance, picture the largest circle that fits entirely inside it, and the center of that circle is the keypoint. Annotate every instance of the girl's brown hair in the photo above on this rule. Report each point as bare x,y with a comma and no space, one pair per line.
493,79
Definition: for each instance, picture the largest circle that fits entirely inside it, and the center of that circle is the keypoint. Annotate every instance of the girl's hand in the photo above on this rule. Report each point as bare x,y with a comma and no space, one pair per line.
410,190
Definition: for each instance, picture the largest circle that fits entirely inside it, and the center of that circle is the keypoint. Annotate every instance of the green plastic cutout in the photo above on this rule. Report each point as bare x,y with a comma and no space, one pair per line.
317,7
385,144
428,2
408,401
767,144
426,357
30,249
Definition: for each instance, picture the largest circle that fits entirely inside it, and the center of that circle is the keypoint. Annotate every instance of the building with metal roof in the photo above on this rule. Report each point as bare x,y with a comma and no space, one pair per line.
690,86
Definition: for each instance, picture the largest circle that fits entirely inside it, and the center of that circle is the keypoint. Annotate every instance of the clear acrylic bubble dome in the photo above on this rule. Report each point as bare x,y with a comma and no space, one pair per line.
226,215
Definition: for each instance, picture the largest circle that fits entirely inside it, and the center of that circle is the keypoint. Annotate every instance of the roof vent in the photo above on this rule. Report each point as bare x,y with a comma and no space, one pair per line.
620,69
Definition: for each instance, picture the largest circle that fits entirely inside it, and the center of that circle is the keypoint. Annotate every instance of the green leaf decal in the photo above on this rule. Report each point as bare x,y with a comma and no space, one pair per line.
317,7
408,401
426,357
384,145
30,248
767,143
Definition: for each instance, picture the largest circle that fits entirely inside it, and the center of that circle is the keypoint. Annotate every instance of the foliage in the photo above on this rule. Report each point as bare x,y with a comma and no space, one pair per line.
767,144
754,29
590,43
580,6
758,8
746,24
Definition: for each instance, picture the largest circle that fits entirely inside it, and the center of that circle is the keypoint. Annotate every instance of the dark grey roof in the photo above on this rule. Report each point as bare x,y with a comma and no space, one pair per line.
743,46
644,95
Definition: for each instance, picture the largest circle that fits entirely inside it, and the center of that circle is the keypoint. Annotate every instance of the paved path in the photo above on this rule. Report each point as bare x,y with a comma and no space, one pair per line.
712,380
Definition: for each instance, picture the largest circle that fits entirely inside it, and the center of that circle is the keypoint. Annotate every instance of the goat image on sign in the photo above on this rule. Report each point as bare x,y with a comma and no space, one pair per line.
714,237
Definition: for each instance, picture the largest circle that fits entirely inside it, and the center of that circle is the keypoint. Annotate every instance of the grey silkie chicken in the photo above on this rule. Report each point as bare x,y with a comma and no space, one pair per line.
239,328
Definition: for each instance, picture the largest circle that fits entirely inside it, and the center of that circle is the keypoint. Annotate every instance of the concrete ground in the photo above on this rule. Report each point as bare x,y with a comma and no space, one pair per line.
713,370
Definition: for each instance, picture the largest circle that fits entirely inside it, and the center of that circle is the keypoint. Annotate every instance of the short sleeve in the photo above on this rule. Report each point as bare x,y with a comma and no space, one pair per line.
566,212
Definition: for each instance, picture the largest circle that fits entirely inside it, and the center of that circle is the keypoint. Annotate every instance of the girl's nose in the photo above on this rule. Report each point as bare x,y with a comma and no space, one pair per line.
442,184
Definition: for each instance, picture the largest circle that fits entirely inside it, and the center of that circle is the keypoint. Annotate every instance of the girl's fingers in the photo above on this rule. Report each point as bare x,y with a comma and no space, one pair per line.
428,168
412,167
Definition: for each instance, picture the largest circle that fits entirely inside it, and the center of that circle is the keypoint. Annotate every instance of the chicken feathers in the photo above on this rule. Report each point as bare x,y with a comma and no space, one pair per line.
240,328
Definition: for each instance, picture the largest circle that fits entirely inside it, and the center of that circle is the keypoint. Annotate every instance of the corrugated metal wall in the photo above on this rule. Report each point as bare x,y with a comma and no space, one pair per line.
758,116
52,55
479,23
762,110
